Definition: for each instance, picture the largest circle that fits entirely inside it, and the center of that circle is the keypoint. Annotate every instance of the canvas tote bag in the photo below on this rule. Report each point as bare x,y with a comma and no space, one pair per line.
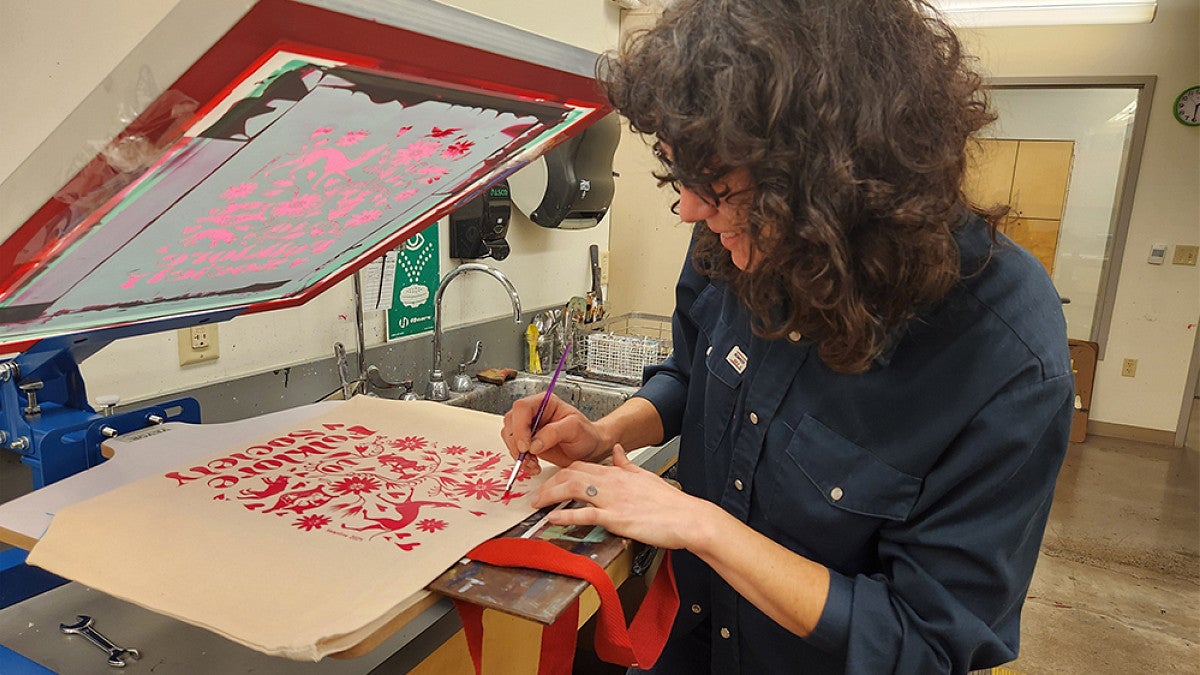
302,543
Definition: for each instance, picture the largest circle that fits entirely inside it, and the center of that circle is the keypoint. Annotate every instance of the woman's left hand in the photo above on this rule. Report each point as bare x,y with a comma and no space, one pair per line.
624,499
629,501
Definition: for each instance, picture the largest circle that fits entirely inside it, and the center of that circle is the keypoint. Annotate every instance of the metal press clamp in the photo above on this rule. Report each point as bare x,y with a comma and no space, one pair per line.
84,627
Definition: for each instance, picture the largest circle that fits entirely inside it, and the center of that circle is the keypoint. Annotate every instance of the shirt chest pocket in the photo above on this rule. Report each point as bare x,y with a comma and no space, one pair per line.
825,492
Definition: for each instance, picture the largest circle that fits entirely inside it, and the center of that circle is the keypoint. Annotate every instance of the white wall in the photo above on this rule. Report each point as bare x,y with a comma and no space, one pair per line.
1157,308
55,52
648,243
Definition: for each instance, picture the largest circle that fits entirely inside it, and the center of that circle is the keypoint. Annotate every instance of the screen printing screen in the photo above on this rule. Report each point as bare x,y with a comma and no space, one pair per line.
302,167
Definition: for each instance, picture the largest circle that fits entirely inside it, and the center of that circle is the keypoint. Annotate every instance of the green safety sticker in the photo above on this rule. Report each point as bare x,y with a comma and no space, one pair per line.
416,280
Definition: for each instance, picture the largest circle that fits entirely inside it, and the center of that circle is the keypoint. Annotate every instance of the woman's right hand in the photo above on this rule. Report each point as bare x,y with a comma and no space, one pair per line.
564,436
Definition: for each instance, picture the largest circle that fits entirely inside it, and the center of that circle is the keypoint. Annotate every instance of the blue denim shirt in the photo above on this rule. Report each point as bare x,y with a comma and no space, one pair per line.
923,484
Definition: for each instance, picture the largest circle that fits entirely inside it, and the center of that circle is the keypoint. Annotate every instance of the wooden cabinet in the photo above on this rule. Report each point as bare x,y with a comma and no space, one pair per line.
990,169
1039,187
1032,178
1038,236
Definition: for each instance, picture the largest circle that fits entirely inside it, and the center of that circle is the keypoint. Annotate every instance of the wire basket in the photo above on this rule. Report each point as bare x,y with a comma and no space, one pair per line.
623,345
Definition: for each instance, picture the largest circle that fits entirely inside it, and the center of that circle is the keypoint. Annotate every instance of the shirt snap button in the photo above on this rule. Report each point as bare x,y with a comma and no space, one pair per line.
725,633
795,336
836,494
753,418
696,609
737,483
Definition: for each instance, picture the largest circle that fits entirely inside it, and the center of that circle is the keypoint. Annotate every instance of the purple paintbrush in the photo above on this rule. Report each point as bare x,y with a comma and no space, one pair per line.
537,419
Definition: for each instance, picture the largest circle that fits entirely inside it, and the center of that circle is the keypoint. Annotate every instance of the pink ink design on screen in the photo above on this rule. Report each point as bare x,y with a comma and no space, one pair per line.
311,197
276,191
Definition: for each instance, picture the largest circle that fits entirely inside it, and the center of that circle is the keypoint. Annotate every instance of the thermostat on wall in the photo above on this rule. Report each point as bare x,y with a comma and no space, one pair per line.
1158,254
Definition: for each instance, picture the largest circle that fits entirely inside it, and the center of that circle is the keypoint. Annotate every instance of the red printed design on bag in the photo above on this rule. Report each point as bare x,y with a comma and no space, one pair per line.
356,483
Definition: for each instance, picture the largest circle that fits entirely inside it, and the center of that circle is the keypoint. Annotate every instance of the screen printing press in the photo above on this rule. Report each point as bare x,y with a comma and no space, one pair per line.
304,140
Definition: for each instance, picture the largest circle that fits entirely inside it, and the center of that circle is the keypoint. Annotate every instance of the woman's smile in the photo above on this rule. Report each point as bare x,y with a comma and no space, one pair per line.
727,217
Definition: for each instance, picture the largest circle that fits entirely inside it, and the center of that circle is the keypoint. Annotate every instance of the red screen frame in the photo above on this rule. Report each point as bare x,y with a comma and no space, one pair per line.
273,23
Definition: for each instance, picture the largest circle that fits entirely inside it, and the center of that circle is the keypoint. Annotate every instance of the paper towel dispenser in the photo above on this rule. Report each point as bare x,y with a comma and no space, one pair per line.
570,187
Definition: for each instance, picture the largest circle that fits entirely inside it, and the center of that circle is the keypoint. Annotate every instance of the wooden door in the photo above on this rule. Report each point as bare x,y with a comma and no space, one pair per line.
1039,188
1031,177
990,166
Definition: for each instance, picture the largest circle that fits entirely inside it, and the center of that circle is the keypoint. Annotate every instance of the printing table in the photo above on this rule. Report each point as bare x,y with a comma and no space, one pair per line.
426,638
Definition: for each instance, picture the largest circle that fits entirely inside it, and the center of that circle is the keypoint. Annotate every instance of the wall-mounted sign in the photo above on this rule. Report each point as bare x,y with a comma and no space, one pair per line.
415,283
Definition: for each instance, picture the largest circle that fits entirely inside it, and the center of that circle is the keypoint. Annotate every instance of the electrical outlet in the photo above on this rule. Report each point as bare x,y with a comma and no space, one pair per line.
1129,368
198,343
604,267
1185,255
199,338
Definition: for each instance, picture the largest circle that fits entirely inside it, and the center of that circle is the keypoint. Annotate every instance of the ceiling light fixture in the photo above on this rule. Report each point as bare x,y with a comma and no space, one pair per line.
991,13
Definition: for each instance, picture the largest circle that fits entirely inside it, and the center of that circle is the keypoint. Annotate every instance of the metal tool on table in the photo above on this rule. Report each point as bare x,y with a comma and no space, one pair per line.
537,419
83,626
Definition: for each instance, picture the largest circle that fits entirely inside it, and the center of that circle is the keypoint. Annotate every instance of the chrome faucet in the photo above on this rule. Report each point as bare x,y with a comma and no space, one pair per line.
437,390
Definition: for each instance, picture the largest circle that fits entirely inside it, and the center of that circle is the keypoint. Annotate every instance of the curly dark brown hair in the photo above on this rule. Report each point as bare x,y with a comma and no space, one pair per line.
852,117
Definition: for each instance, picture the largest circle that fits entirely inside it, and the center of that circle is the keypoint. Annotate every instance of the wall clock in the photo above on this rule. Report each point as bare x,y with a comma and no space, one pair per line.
1187,107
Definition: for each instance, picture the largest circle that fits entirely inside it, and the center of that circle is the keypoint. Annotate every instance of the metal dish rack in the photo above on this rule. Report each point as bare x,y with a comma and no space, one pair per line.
618,348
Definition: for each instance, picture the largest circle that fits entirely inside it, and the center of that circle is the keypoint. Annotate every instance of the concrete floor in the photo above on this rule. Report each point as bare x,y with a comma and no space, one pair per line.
1117,587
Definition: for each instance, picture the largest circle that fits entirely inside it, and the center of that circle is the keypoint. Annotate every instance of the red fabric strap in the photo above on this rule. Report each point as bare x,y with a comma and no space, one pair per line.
638,645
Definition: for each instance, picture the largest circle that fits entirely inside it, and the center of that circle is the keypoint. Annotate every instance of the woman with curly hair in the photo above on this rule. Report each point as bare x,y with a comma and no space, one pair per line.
871,387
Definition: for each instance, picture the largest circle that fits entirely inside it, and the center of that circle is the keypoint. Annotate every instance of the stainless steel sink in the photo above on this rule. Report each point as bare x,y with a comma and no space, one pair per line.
592,398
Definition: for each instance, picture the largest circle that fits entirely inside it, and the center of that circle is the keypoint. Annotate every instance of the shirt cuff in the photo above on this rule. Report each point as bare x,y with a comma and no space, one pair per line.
833,628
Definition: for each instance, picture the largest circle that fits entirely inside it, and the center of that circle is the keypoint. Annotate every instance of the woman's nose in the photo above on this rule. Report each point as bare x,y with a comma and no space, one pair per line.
693,207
